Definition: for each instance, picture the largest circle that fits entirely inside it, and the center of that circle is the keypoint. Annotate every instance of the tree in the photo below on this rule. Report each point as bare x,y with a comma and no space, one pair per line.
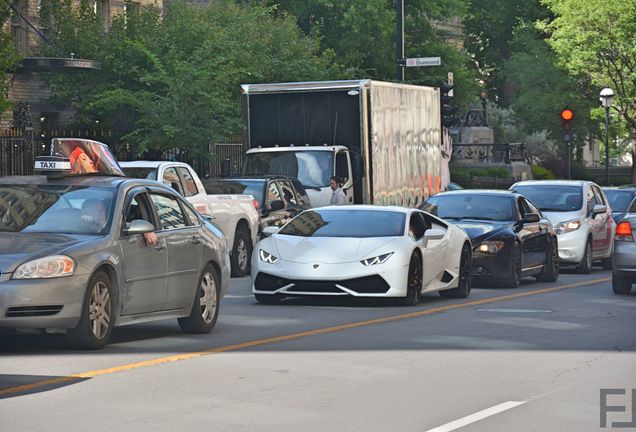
173,81
541,90
8,55
489,26
361,33
596,41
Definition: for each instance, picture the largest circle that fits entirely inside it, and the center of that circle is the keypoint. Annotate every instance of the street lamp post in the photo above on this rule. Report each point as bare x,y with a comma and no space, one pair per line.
483,95
607,94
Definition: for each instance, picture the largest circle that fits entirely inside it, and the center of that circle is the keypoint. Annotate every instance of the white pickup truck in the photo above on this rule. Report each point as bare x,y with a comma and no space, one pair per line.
235,215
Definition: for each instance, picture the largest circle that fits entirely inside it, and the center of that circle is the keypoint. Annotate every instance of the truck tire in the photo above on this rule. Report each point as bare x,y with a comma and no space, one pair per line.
241,253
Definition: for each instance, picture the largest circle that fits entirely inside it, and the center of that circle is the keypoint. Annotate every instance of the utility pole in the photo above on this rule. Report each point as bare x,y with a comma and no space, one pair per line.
400,40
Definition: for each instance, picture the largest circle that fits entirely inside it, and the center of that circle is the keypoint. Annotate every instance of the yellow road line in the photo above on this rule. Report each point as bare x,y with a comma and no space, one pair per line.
292,336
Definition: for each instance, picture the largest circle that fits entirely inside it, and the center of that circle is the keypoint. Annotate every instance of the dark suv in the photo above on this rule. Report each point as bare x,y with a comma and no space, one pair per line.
277,198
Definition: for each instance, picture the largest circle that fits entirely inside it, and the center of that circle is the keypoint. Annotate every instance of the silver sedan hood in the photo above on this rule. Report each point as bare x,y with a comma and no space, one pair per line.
17,248
328,250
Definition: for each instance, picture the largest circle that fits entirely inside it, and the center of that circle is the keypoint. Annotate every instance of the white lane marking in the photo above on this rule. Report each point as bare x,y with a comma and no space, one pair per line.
464,421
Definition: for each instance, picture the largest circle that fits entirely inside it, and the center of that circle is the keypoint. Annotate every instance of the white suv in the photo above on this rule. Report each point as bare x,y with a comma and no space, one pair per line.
581,217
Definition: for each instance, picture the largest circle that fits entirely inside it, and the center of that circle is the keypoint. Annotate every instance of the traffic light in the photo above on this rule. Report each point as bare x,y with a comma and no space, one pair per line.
446,99
567,115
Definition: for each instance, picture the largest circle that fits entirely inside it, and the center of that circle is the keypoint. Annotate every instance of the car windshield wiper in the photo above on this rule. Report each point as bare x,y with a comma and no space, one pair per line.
483,218
551,209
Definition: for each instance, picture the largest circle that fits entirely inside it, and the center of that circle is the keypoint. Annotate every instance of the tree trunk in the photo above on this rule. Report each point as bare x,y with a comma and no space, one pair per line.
633,134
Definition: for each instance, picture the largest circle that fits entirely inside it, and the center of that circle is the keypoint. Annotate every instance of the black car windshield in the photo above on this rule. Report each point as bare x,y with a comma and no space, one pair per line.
56,209
619,200
346,223
236,187
554,197
139,172
472,206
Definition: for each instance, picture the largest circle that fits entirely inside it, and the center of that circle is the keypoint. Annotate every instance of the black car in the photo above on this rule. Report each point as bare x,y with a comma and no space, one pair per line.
277,198
511,238
621,201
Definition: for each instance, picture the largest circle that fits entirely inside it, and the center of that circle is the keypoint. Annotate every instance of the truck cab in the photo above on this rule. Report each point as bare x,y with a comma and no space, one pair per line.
312,165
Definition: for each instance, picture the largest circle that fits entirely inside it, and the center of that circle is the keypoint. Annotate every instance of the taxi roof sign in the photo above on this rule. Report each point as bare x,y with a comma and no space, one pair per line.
77,156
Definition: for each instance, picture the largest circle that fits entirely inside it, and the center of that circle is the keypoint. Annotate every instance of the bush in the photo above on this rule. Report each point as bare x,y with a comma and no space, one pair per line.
464,176
542,173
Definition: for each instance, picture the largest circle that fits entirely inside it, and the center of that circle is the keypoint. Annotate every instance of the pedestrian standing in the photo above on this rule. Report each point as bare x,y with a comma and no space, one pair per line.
338,196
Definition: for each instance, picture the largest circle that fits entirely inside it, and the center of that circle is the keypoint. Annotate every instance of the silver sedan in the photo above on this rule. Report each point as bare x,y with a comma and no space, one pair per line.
81,255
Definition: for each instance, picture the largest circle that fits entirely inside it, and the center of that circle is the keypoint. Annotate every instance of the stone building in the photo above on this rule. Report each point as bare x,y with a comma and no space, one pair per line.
26,86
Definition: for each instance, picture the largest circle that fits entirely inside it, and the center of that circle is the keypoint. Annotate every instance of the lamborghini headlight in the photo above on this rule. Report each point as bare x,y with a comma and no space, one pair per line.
267,257
380,259
46,268
569,226
490,247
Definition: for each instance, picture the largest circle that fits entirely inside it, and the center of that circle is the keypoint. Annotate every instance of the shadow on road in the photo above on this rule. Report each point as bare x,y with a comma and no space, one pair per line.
21,385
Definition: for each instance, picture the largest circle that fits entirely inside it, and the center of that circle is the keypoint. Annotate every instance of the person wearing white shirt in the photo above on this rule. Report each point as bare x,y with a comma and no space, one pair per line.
338,196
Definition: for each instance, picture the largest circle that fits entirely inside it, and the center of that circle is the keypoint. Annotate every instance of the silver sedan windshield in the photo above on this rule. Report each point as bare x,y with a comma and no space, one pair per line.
55,209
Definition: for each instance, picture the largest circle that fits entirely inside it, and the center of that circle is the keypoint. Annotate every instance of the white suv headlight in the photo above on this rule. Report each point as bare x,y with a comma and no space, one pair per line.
566,227
46,268
380,259
267,257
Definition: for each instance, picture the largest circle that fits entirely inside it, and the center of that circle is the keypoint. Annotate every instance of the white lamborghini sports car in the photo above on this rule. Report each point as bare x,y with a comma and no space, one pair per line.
362,251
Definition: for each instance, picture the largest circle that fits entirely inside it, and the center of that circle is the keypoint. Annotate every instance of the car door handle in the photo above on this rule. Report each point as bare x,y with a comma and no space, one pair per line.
195,240
159,247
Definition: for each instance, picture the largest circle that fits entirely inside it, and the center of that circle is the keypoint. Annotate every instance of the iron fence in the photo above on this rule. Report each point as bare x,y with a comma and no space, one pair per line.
17,153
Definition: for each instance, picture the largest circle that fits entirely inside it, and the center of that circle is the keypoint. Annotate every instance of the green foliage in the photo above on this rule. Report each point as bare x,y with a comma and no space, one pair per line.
464,176
596,41
361,33
8,56
173,81
489,26
542,173
543,90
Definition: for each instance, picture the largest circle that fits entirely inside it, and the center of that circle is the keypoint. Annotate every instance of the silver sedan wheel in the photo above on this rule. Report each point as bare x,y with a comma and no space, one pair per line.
99,308
242,254
208,298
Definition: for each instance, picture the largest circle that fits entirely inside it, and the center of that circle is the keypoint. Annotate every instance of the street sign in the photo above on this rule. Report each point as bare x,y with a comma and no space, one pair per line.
450,78
423,61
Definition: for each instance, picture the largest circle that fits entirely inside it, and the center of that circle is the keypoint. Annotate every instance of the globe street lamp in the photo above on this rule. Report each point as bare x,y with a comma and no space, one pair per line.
607,94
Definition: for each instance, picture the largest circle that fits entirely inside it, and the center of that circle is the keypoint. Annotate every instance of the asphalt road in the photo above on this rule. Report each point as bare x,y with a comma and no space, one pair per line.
527,359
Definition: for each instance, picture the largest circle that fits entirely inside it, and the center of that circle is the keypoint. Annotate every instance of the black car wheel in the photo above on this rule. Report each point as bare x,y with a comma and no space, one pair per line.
620,284
96,323
607,263
513,279
465,276
414,281
585,267
550,272
241,253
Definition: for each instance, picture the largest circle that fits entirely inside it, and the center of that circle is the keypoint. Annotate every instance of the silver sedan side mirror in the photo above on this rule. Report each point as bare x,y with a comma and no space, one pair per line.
139,226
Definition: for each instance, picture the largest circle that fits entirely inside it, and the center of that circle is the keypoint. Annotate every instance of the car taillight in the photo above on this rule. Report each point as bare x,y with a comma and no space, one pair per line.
255,203
624,232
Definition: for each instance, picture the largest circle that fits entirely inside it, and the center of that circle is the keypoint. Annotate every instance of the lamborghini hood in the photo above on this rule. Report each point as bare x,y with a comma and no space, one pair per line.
329,250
